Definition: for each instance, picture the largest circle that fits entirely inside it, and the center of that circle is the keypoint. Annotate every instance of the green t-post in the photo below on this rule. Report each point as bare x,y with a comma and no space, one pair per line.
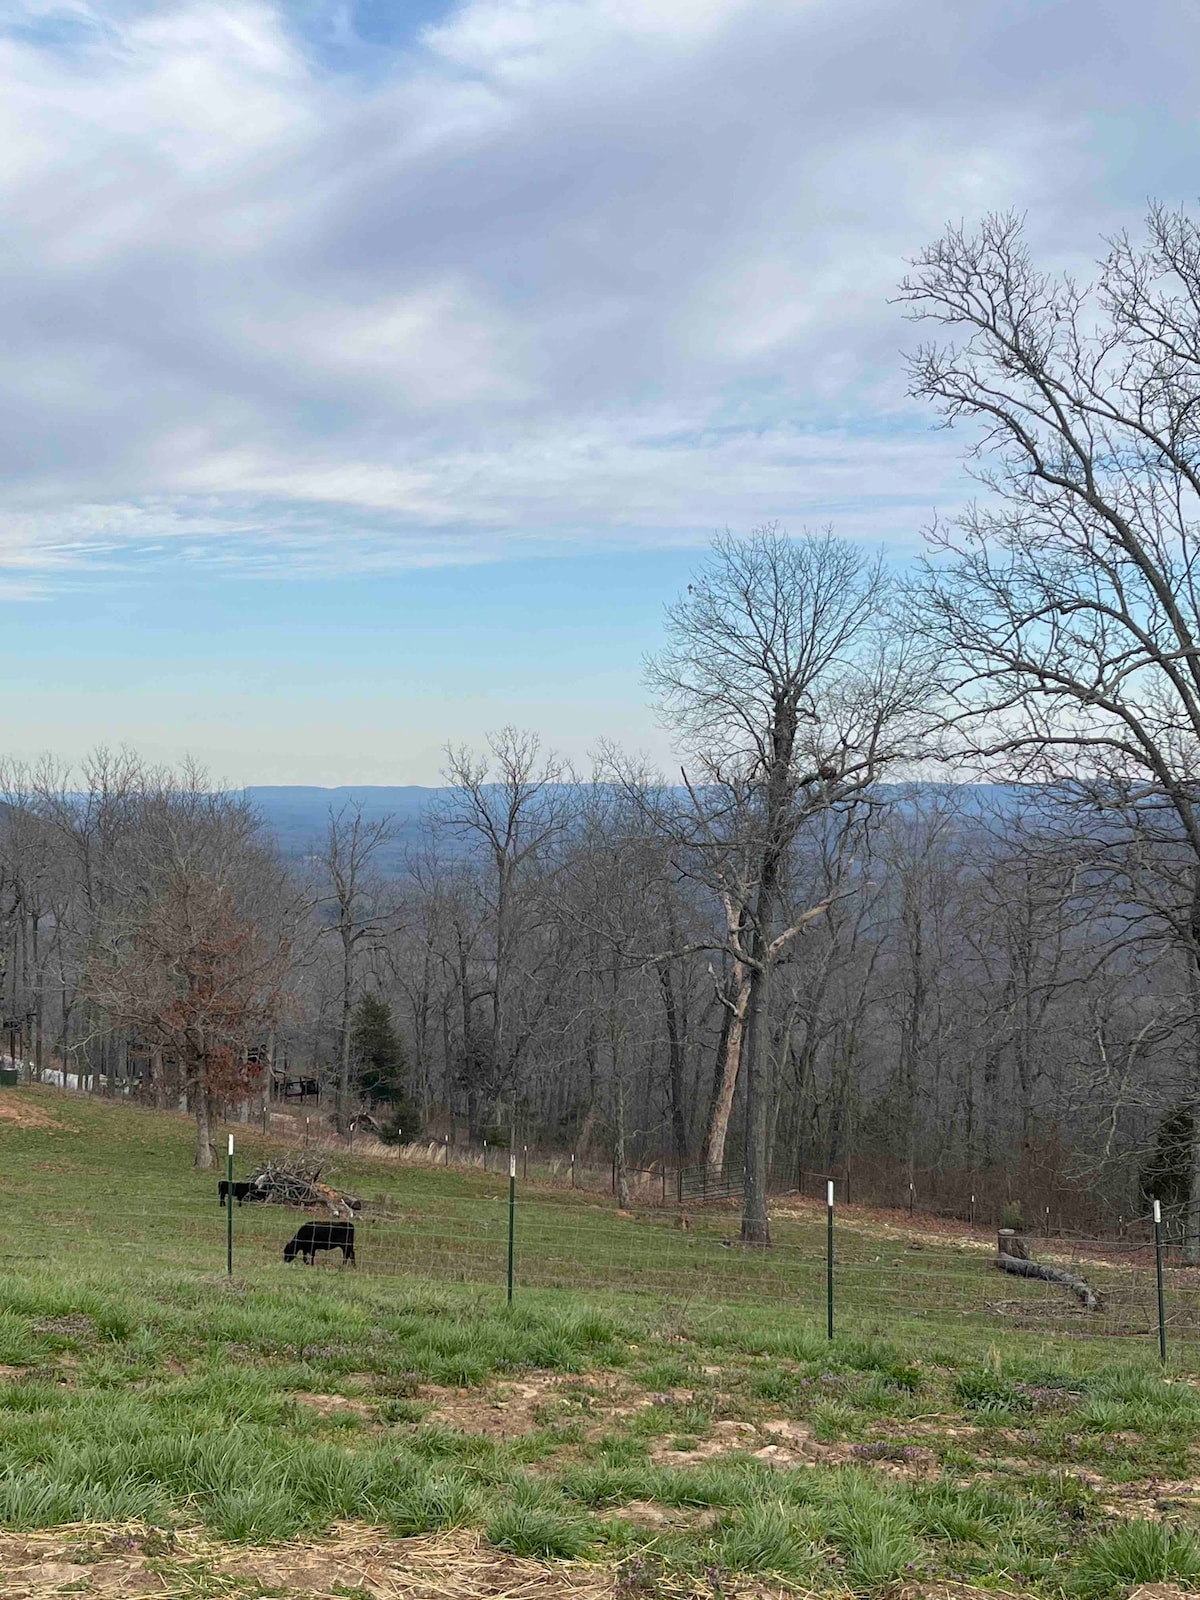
829,1256
229,1213
1158,1273
512,1216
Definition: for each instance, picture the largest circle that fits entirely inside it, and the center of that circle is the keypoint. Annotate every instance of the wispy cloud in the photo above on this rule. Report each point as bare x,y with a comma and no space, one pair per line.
545,273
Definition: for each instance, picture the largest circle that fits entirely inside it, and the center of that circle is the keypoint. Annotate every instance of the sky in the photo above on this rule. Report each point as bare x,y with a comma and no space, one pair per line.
373,373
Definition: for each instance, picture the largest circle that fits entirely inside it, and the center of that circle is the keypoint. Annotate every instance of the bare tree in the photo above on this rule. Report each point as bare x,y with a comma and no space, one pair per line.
512,806
1070,597
791,697
352,844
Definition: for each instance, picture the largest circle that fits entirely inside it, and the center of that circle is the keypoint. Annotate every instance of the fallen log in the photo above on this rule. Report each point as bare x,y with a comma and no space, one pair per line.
1020,1267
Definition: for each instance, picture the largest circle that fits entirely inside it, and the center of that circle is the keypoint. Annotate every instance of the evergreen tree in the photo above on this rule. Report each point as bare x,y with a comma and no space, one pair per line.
381,1069
378,1054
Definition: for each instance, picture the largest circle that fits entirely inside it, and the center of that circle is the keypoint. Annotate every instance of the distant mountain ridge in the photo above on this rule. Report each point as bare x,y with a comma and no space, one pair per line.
298,815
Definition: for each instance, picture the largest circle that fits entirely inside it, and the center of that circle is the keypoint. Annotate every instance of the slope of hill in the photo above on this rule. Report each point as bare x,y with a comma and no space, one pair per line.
292,1431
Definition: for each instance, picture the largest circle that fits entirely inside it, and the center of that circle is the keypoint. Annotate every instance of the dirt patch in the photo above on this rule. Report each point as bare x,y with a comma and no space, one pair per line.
335,1405
24,1113
508,1409
725,1437
75,1325
109,1566
649,1514
458,1566
953,1591
785,1442
525,1404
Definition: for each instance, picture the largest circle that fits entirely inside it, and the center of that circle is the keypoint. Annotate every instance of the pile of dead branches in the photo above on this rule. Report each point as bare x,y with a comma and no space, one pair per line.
297,1182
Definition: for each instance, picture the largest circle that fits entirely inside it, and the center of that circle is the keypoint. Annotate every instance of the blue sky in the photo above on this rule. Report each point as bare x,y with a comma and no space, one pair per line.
341,679
373,374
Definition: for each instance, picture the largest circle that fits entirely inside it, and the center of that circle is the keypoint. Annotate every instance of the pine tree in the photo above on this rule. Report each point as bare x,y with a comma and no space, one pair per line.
377,1051
381,1068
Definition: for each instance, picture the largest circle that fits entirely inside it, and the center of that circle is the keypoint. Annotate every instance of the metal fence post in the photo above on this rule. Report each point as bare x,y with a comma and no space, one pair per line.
829,1257
1158,1273
512,1217
229,1213
572,1169
525,1168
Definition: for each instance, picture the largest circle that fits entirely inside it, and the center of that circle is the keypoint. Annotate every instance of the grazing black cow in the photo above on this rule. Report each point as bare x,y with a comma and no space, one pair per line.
241,1191
314,1236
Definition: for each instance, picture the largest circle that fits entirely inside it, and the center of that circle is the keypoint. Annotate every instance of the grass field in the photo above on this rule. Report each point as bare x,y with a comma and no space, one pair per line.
660,1412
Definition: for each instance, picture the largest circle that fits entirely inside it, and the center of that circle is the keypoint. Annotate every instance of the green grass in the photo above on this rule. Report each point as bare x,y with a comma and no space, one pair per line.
115,1183
935,1445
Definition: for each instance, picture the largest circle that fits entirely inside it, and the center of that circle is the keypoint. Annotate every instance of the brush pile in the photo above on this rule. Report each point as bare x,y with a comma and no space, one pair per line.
298,1183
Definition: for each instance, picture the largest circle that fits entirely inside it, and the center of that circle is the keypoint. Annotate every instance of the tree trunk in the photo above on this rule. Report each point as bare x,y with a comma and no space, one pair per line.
619,1164
1191,1220
342,1098
730,1066
674,1062
756,1228
206,1144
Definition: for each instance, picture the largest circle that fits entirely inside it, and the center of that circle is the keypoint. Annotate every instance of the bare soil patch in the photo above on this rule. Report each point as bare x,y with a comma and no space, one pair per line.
75,1325
24,1113
525,1404
112,1564
786,1442
649,1514
333,1405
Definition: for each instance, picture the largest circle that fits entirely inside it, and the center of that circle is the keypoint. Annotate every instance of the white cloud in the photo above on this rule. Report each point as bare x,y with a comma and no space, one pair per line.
567,270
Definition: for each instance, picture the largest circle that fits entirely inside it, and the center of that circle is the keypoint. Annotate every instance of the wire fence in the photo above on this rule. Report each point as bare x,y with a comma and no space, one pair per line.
878,1281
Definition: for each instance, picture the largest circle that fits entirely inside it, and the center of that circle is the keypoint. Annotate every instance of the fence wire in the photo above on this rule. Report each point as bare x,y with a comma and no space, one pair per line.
884,1278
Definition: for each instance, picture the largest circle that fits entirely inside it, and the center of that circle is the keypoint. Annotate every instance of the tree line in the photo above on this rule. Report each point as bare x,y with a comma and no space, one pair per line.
924,889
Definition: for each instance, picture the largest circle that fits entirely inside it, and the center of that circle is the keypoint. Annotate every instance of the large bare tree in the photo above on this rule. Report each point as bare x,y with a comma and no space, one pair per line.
1070,595
354,893
791,694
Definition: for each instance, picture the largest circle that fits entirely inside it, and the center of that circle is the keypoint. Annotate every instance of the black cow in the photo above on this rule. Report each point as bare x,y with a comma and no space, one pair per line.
241,1191
314,1236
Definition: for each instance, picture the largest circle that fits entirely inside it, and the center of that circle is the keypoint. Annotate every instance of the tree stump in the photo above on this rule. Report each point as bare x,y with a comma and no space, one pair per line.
1010,1243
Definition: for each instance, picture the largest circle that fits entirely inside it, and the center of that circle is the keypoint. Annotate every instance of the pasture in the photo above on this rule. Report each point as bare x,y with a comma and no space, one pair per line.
658,1413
